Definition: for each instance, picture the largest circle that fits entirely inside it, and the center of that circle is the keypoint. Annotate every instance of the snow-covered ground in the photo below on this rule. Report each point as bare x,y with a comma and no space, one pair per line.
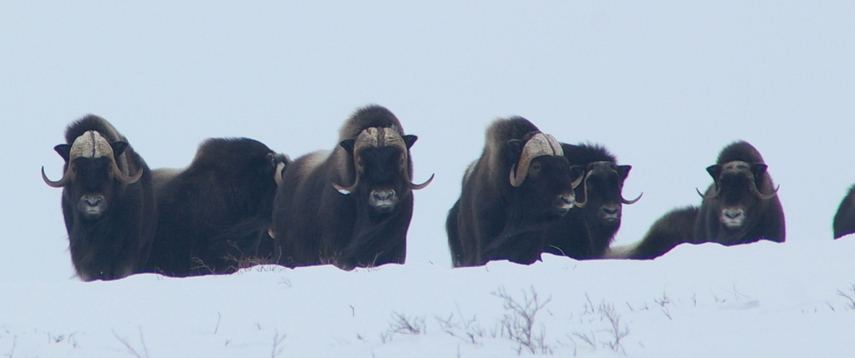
758,300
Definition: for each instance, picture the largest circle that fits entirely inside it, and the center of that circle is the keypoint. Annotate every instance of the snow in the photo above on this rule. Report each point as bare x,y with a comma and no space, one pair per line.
701,301
663,85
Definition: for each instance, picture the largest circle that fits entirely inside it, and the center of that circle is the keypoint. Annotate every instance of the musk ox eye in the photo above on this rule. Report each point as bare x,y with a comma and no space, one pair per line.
535,166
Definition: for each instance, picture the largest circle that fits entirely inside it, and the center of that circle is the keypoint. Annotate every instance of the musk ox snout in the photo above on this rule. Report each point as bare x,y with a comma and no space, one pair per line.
383,200
610,212
732,217
563,203
92,206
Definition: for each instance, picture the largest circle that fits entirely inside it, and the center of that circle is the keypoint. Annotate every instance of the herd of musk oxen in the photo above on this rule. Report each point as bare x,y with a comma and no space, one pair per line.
239,203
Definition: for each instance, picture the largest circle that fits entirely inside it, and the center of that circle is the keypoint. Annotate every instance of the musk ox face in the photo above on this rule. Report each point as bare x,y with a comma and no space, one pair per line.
544,177
602,192
736,189
550,184
92,184
382,168
91,173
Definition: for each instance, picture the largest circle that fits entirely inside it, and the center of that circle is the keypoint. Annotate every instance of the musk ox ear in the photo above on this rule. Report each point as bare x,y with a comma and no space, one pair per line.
409,140
623,170
348,144
119,147
63,150
715,171
758,169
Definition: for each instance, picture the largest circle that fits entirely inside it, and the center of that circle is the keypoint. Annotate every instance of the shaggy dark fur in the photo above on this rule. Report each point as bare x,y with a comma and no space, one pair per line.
316,224
214,215
586,232
737,200
672,229
494,220
115,244
844,219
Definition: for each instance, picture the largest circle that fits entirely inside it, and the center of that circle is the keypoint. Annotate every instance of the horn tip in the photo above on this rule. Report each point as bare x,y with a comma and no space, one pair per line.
53,184
341,189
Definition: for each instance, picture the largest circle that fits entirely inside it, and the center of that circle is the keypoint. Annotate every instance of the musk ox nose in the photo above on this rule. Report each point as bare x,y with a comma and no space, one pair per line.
610,213
93,201
732,214
92,206
732,218
383,195
383,200
564,203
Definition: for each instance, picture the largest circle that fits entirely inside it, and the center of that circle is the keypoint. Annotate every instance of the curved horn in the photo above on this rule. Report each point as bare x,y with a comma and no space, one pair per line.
277,177
346,190
581,204
767,196
555,145
708,197
537,145
630,202
422,185
578,181
121,176
66,177
517,180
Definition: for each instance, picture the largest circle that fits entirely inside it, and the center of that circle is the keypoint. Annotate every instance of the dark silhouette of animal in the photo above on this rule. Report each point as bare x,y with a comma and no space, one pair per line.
742,205
520,186
214,214
674,228
350,207
587,231
107,201
844,219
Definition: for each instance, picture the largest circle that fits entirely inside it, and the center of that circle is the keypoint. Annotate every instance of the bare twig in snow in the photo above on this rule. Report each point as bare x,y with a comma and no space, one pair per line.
518,324
617,332
662,301
404,325
851,303
131,349
14,343
277,341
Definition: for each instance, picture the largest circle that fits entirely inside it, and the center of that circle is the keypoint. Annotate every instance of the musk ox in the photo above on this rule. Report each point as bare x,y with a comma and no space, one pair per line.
741,206
587,231
844,219
520,186
350,207
672,229
214,214
107,201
